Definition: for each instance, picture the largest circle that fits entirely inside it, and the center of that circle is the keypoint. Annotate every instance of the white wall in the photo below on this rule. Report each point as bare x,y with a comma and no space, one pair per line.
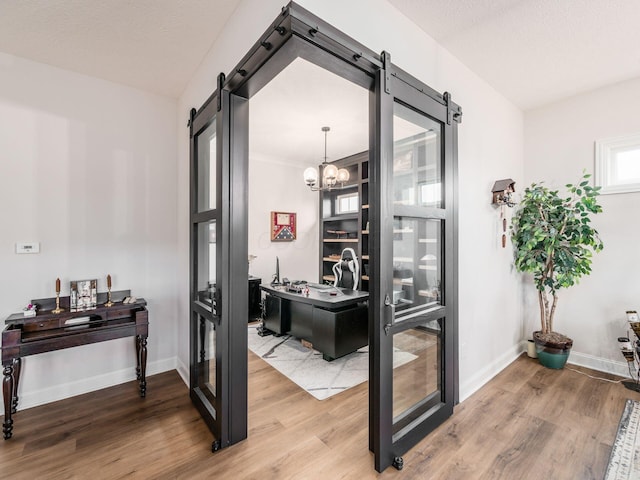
88,170
490,145
279,188
559,144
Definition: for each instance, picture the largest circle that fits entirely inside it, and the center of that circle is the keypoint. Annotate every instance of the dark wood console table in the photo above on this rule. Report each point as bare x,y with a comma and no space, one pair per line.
334,321
47,331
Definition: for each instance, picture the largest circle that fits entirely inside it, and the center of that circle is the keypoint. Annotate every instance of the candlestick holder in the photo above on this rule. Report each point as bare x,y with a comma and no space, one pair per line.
109,302
57,309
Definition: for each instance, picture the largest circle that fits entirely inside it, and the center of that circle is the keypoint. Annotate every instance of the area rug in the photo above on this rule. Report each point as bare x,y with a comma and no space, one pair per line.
306,367
624,462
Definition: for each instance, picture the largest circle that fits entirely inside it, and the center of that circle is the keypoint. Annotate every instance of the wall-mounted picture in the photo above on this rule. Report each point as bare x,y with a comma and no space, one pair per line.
84,295
283,227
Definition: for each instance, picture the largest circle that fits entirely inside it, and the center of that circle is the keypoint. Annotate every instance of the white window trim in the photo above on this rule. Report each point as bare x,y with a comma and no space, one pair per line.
339,198
603,163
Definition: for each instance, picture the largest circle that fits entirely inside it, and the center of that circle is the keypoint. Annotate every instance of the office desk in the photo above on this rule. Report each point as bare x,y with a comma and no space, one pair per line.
336,325
49,331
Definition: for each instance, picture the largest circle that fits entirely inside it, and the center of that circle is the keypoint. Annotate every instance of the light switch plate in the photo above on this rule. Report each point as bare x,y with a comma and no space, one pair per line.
28,247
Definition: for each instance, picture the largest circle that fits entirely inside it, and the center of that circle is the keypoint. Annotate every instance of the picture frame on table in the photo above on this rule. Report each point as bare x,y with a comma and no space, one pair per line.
83,295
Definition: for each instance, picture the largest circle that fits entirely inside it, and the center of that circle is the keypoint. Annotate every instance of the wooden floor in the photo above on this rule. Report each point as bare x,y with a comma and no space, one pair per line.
527,423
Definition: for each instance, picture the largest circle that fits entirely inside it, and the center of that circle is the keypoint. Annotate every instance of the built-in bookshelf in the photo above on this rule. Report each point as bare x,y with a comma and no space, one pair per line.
346,229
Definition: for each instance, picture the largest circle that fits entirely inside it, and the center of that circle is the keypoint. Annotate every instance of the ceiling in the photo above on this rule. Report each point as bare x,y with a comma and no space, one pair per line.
286,117
533,52
536,51
153,45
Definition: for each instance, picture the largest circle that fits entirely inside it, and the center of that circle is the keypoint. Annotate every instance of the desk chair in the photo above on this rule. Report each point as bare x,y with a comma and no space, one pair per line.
347,270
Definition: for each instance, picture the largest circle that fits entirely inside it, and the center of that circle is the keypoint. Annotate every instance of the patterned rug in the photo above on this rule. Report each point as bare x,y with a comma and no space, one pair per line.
306,367
624,463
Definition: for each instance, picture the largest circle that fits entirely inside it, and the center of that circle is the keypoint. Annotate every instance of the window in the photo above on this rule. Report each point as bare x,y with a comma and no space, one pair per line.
347,203
430,194
618,164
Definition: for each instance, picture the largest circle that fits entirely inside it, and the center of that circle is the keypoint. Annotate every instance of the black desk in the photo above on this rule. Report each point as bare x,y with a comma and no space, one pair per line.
255,309
336,325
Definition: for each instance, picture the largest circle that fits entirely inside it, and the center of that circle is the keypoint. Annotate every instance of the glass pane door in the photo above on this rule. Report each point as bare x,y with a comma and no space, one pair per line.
206,387
412,342
418,312
206,180
219,287
417,373
208,367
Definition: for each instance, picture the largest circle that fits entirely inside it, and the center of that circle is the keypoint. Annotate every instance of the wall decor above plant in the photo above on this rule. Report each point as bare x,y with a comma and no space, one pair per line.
553,239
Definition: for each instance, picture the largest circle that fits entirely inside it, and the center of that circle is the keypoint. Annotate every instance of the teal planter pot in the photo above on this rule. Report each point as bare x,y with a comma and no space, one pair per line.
552,360
552,354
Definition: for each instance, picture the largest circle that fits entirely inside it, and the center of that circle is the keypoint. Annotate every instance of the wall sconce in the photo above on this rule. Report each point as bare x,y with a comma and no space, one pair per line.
331,175
502,192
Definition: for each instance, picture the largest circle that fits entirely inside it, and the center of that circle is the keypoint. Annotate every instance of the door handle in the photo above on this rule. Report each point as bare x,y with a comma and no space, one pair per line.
217,303
388,303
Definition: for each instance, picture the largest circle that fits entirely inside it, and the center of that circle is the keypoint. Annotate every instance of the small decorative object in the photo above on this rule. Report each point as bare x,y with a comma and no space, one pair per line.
504,232
109,302
502,192
57,309
84,295
283,227
630,350
29,310
626,348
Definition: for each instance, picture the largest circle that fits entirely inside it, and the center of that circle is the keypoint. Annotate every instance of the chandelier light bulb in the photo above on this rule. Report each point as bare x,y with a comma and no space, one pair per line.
330,173
310,176
342,175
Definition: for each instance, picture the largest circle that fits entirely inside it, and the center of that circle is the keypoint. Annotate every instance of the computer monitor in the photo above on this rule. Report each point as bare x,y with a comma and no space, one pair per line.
276,276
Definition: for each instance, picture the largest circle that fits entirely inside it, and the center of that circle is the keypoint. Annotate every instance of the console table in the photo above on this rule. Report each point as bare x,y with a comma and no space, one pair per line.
47,331
334,321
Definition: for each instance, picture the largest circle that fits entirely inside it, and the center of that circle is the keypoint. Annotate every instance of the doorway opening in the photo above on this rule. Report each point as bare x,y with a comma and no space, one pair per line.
287,122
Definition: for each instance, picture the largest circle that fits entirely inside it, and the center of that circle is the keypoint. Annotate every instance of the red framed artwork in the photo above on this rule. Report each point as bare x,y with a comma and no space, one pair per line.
283,227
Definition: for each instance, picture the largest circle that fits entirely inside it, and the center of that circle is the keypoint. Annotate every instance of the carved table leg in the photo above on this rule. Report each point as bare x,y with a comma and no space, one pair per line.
7,391
143,366
138,357
17,363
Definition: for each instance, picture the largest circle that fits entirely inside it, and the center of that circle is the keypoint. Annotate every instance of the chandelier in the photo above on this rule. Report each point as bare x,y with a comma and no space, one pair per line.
331,175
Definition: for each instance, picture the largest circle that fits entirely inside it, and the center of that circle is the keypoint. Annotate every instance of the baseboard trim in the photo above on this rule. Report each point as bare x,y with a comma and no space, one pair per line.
183,371
471,385
600,364
35,398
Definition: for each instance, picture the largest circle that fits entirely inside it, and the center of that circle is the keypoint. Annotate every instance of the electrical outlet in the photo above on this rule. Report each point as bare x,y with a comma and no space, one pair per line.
28,247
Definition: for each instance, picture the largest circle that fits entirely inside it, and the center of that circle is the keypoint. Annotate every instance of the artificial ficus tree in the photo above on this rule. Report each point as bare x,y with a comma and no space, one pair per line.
553,239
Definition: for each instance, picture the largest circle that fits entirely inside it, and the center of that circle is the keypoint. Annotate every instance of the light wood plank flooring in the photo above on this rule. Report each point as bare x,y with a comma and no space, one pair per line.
527,423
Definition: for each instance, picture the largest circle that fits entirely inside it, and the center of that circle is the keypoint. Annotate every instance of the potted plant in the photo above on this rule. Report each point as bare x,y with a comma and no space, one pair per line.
553,239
